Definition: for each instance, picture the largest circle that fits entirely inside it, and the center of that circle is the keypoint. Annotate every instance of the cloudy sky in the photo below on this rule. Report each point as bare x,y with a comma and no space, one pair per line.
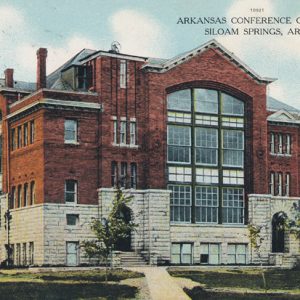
147,28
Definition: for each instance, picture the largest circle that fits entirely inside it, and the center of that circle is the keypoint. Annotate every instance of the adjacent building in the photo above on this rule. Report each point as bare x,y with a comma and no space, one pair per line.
195,139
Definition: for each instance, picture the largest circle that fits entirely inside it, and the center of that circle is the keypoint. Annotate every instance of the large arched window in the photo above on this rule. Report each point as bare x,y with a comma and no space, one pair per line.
206,156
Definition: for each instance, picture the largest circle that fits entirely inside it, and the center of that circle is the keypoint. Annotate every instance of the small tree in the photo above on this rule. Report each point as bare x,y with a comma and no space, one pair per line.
256,241
108,230
293,223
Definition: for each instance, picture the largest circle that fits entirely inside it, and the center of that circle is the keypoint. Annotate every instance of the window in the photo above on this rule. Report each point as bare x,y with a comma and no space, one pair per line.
132,133
279,184
25,194
115,131
272,183
233,148
123,132
13,139
205,155
84,77
19,138
209,254
179,144
18,254
25,134
71,191
206,143
272,143
32,192
206,101
288,144
180,174
133,175
24,254
237,254
12,201
19,200
180,203
32,132
180,100
72,219
206,204
232,106
287,184
114,173
31,254
123,174
181,253
70,131
280,143
123,72
233,205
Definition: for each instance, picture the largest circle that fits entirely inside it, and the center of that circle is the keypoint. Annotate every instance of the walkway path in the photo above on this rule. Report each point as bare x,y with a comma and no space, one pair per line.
162,286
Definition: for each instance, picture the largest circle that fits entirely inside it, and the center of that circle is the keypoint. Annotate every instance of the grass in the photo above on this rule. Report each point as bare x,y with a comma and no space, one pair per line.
241,283
66,285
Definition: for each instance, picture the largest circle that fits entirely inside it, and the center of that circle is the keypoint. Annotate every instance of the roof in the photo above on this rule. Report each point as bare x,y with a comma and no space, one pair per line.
275,105
75,60
20,85
165,65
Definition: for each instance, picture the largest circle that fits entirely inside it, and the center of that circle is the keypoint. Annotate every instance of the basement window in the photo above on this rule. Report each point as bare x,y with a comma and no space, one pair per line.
72,219
181,253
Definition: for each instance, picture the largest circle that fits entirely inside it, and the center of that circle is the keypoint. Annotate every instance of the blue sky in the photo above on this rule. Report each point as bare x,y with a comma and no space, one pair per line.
145,28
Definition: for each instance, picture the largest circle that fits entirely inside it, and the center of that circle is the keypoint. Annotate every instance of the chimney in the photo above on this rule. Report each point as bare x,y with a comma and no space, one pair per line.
9,78
41,68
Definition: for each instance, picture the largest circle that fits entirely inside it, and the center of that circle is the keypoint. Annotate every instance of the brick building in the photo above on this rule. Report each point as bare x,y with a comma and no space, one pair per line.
195,139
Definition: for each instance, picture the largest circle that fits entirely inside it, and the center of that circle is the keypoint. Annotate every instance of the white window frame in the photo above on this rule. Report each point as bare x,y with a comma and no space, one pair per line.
279,178
288,144
272,183
181,253
123,72
133,133
235,254
287,184
272,143
75,192
209,246
76,216
115,131
74,131
280,144
123,135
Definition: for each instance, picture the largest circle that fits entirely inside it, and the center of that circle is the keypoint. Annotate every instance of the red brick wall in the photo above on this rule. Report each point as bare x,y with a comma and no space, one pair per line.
286,164
212,67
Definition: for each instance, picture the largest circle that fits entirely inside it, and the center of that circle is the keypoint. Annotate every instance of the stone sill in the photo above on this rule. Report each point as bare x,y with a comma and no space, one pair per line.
210,225
131,146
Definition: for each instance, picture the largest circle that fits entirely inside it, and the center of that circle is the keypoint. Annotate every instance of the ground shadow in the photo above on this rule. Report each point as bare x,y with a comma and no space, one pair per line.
64,291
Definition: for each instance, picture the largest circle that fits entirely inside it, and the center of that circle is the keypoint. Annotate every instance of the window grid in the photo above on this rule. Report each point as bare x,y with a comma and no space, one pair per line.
123,71
237,254
287,184
115,131
179,117
180,203
70,131
233,205
132,133
206,202
123,132
230,149
71,191
133,175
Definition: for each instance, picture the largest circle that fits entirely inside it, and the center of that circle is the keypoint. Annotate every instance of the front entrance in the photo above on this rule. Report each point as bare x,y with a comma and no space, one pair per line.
72,253
278,221
124,243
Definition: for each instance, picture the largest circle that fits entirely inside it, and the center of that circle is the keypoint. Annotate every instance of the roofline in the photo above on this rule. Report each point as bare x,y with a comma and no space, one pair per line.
111,54
171,63
8,89
53,91
56,102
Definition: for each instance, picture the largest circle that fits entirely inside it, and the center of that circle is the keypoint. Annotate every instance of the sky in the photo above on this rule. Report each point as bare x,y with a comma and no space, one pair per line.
148,28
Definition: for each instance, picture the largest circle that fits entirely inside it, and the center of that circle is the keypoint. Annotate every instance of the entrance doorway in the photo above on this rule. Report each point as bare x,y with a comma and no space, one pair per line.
72,253
124,243
278,221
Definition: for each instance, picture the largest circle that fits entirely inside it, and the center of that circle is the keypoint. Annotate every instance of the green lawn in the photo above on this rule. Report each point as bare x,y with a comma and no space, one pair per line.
241,283
66,285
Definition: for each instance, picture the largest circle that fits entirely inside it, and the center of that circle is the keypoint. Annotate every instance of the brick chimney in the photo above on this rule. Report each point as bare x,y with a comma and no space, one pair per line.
41,68
9,78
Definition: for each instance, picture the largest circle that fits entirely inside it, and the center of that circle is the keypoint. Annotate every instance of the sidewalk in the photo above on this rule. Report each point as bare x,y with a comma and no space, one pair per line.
161,284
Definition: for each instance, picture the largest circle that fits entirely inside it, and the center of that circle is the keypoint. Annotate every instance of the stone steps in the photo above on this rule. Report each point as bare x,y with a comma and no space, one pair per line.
129,259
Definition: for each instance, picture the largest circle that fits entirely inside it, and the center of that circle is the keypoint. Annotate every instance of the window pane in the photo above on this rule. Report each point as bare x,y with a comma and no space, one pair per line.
233,148
206,142
231,105
180,100
233,205
180,203
206,101
70,130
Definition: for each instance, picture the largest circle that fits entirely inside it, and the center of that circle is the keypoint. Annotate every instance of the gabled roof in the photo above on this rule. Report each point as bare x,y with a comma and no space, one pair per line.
283,116
165,65
275,105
